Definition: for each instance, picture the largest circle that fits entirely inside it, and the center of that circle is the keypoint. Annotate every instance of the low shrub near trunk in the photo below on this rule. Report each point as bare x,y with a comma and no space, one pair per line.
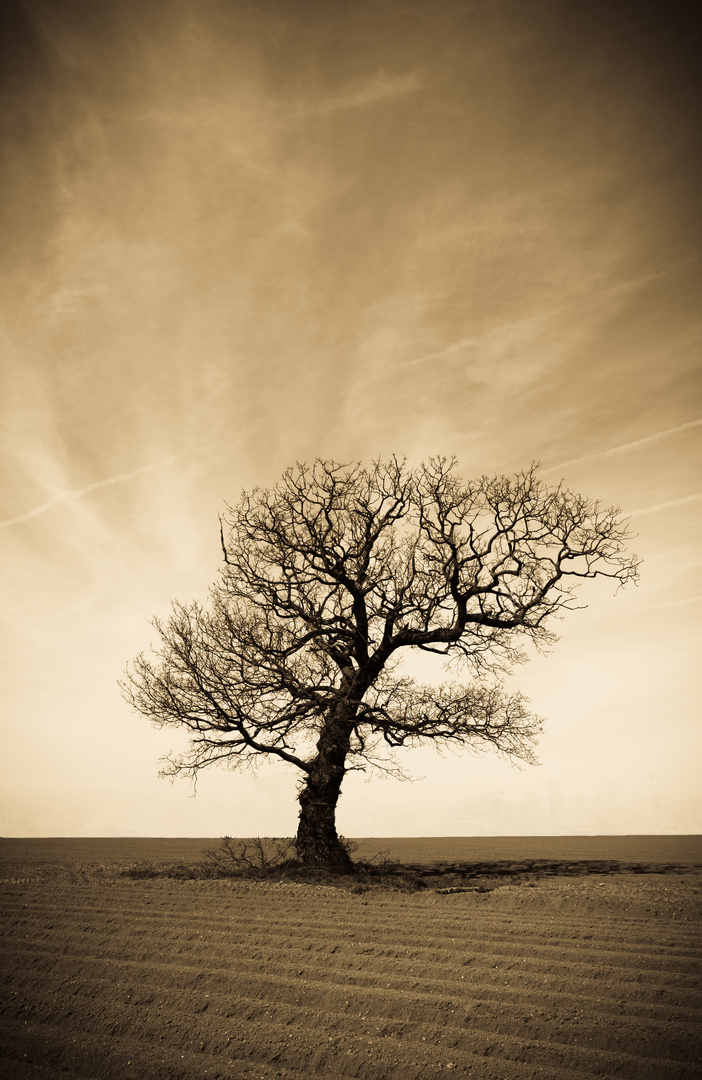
258,857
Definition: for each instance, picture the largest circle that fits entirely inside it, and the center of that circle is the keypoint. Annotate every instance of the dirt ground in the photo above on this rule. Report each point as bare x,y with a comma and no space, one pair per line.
541,975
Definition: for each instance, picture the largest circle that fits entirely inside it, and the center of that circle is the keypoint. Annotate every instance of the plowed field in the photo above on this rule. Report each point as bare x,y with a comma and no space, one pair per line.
557,977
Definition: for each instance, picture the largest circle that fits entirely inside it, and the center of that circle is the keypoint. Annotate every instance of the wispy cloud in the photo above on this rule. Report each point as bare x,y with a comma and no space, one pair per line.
493,344
623,447
682,501
634,284
71,495
431,357
368,94
685,601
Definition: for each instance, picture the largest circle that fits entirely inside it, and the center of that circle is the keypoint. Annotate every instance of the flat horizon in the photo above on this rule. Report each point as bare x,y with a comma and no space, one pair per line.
638,849
373,836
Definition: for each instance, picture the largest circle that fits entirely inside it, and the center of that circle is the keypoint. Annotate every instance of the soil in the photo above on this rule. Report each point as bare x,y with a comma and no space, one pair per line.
522,976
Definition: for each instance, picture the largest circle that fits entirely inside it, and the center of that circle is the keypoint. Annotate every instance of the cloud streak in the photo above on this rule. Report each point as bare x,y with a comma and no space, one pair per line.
373,92
683,501
70,495
645,441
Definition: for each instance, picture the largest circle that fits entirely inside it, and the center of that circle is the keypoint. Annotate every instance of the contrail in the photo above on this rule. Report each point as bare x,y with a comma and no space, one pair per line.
628,446
683,602
370,94
665,505
77,493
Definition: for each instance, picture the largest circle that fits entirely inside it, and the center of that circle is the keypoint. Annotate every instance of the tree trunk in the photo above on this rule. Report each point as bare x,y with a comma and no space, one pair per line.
317,842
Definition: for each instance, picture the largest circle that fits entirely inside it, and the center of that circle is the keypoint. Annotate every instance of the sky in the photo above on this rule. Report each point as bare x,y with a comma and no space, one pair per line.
238,235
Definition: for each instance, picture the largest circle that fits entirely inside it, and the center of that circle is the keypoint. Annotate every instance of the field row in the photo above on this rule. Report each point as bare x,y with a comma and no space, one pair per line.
600,1020
496,974
179,980
438,915
359,928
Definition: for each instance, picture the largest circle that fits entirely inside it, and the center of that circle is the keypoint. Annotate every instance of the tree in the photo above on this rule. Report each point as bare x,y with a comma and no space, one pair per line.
328,579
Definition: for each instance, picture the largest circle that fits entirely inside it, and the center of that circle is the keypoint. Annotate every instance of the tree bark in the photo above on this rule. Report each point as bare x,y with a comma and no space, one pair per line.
317,842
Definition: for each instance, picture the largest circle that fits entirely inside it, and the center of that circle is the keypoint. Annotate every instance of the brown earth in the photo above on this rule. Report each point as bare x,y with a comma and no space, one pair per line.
542,975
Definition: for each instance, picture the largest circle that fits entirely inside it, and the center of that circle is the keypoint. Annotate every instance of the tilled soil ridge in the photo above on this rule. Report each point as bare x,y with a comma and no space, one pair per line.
558,978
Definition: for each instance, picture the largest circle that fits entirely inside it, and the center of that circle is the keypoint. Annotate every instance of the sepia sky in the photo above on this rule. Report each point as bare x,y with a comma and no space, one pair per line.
239,234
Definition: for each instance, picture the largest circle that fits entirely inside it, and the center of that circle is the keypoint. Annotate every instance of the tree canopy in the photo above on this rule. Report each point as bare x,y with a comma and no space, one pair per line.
328,579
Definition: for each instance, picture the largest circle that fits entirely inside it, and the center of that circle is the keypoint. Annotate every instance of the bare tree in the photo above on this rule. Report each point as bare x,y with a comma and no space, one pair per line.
328,578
